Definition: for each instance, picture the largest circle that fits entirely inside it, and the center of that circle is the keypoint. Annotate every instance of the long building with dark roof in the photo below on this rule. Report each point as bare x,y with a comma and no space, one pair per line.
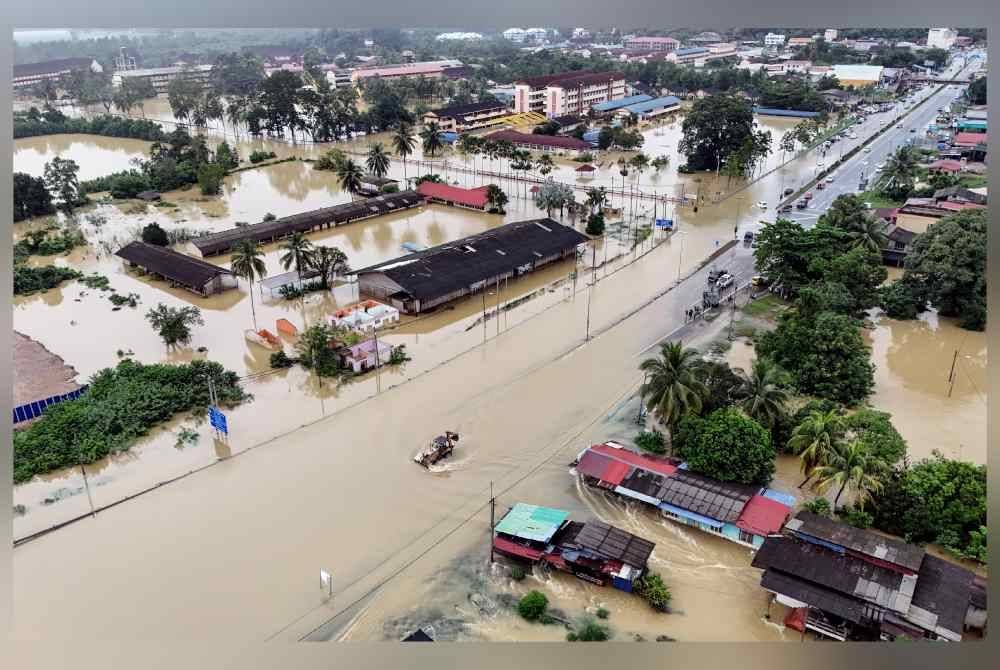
426,279
179,269
855,584
568,92
29,74
473,116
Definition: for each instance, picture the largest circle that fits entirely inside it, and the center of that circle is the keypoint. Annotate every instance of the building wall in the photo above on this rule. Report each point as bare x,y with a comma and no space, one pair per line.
377,285
915,223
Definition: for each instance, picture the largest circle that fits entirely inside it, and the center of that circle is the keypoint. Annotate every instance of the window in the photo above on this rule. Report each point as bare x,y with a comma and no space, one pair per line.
746,537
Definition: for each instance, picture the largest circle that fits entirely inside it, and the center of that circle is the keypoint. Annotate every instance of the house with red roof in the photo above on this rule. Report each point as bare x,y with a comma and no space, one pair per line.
945,165
473,198
534,142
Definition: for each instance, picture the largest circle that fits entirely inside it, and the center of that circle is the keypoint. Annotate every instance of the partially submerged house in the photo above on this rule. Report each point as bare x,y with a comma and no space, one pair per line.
424,280
372,184
740,513
593,551
471,198
849,583
366,355
179,269
365,316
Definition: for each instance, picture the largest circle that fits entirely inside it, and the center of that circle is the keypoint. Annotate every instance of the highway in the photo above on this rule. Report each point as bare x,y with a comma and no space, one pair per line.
848,176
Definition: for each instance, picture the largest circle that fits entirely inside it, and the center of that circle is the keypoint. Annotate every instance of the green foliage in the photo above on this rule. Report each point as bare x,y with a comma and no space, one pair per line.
31,197
186,437
976,92
118,300
947,267
43,243
96,281
824,353
595,224
651,588
533,605
122,404
258,156
108,126
721,383
121,185
673,387
226,157
899,300
61,179
856,516
820,506
154,234
279,360
602,613
331,160
398,355
314,349
719,127
651,441
729,446
936,500
589,631
210,178
28,280
173,324
517,573
495,198
874,430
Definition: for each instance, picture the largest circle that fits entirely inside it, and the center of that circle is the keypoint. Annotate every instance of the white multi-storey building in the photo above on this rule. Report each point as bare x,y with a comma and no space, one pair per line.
581,34
515,34
774,40
830,34
667,44
536,34
160,77
567,92
941,38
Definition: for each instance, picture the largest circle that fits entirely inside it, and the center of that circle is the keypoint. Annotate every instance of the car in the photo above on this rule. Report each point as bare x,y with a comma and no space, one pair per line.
913,130
868,150
808,196
880,166
789,191
784,209
802,204
762,204
820,164
724,281
829,180
758,280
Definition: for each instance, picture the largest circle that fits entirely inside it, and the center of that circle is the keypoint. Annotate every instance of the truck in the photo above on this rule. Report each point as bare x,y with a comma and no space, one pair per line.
440,447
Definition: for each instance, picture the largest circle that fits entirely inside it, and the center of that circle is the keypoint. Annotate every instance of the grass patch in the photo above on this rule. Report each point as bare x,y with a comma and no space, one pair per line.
879,199
765,307
743,329
972,181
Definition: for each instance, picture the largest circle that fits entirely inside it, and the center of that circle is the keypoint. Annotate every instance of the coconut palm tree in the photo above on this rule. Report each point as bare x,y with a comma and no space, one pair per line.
248,263
672,388
329,262
378,160
596,199
431,135
851,464
814,439
403,143
299,252
870,234
762,394
350,176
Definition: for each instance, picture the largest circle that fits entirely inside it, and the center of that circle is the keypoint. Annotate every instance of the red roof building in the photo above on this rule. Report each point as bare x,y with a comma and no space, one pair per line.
763,516
945,166
634,459
474,198
610,472
968,139
541,142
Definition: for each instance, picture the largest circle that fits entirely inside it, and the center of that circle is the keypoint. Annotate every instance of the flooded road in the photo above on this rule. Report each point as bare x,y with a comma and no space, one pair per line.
324,477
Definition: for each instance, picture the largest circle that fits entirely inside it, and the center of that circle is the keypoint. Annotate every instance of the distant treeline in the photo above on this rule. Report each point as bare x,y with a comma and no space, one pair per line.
34,124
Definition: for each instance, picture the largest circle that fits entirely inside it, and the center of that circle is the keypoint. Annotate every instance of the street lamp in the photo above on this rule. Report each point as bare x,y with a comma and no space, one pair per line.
680,257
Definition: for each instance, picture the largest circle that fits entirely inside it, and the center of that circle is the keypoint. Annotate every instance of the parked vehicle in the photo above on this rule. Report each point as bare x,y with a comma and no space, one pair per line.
725,281
789,191
762,204
714,274
784,209
829,180
802,204
748,237
808,196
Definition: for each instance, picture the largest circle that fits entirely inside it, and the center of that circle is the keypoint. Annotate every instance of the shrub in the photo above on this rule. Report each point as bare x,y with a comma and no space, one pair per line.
121,404
650,587
820,506
532,606
259,156
390,188
899,301
210,178
331,160
651,441
398,355
602,613
589,631
269,217
27,280
517,573
154,234
855,516
279,360
595,224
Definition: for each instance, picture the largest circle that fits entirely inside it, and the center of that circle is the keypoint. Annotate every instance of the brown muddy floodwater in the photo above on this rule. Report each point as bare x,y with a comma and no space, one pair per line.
324,477
96,156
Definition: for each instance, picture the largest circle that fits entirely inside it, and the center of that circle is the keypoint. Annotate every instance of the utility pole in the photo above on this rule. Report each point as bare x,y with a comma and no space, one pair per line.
498,306
378,381
484,312
593,287
493,508
954,359
638,418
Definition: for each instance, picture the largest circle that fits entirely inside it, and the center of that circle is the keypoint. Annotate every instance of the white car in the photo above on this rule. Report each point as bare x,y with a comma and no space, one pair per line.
829,180
879,166
724,281
868,150
762,204
820,164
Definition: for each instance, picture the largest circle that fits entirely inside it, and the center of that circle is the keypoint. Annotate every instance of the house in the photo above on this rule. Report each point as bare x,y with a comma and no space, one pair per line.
858,76
857,584
472,198
961,194
535,142
29,74
797,42
653,43
424,280
774,40
838,98
473,116
181,270
739,513
161,77
567,92
567,123
437,69
941,38
945,165
898,243
366,355
374,185
593,551
365,316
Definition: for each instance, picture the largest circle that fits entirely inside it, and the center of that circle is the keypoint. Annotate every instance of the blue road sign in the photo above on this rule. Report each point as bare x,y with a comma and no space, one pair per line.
218,420
667,224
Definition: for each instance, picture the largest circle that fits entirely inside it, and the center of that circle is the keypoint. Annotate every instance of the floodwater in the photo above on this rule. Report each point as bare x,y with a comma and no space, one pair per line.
314,475
96,156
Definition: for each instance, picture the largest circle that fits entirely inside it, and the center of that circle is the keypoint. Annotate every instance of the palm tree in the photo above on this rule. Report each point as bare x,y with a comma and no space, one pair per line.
596,199
762,394
378,161
431,135
814,439
329,262
870,234
672,388
851,464
350,176
402,143
248,263
299,251
496,199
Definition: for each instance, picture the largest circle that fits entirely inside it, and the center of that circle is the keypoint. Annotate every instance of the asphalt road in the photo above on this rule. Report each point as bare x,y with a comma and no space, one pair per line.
848,176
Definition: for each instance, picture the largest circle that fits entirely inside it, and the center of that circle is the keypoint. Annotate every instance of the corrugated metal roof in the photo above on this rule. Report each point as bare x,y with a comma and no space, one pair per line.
656,103
771,111
621,102
861,541
613,543
175,266
763,516
723,501
531,522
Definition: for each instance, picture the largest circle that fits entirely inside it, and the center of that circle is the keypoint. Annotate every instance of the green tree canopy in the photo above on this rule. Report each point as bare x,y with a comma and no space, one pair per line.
729,446
717,127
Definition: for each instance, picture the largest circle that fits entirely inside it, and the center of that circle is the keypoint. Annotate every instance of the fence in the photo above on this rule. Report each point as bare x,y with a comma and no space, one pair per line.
33,410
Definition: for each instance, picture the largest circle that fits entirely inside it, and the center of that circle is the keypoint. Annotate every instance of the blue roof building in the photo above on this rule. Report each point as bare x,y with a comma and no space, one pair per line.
770,111
650,108
612,105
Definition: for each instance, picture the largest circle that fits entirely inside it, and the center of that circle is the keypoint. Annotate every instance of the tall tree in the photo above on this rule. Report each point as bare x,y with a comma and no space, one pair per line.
717,127
173,324
814,439
431,135
496,199
403,143
298,253
849,464
61,179
31,197
672,388
248,263
763,394
330,263
350,176
378,161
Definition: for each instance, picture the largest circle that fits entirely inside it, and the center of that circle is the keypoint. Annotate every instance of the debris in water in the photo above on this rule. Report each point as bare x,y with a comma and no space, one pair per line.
665,638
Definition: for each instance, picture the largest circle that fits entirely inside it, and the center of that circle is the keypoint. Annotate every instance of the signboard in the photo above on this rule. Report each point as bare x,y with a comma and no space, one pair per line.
665,224
218,420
